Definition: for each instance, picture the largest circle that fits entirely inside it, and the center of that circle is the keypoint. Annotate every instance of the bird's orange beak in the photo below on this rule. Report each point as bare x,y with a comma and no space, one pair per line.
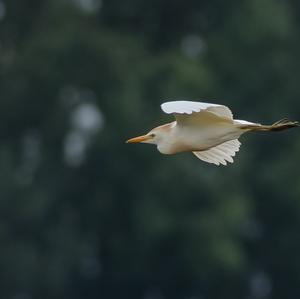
138,139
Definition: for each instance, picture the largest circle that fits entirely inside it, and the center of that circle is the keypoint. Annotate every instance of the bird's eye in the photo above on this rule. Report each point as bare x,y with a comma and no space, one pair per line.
152,135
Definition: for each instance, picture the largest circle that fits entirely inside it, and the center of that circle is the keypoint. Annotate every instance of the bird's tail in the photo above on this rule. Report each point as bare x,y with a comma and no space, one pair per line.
280,125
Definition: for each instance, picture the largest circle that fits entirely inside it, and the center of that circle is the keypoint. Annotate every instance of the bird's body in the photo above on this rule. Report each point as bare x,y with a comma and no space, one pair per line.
195,138
207,130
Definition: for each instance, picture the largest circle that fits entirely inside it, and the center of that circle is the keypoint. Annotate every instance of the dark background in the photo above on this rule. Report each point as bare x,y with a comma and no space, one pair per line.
84,215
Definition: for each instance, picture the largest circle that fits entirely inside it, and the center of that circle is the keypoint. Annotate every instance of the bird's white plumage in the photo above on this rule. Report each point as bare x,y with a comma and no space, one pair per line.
207,130
220,154
205,126
244,122
189,107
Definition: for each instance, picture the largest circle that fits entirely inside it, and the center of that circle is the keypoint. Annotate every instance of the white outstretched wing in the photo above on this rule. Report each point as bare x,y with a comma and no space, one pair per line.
220,154
196,110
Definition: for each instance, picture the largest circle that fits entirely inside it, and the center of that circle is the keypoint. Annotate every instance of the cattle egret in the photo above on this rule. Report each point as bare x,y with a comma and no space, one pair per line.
207,130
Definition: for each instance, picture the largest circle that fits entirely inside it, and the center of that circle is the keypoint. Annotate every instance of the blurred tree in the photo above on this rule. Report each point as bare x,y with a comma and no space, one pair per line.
82,214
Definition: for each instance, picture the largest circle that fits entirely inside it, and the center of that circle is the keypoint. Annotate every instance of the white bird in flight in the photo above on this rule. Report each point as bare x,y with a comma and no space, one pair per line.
207,130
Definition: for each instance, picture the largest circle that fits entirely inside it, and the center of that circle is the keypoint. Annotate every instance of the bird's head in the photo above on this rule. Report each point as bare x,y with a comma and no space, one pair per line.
152,137
160,136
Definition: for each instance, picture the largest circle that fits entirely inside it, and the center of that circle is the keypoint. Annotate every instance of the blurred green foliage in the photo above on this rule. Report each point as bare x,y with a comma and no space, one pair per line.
83,215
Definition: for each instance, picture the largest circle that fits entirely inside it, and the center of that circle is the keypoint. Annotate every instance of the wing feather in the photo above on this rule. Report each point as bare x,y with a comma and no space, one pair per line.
189,107
220,154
